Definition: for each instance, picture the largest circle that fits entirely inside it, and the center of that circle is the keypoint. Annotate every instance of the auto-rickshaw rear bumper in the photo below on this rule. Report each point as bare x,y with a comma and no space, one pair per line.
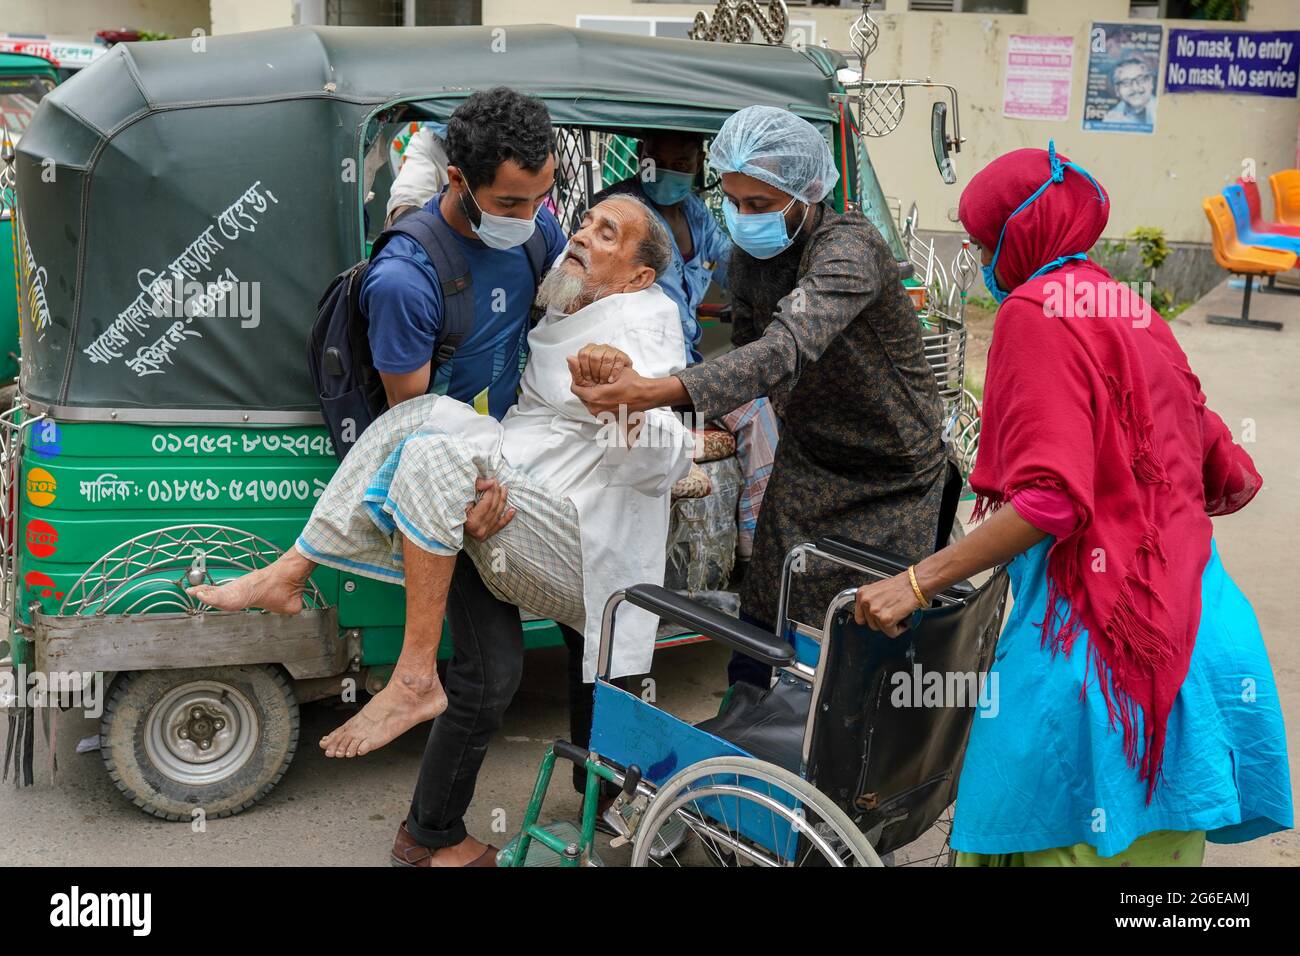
308,644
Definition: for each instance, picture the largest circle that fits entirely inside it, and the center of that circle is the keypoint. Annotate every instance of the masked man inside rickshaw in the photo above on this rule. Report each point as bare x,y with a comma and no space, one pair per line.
822,326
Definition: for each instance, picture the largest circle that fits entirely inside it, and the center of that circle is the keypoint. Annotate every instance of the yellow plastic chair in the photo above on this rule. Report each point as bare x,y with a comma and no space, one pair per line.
1286,196
1243,260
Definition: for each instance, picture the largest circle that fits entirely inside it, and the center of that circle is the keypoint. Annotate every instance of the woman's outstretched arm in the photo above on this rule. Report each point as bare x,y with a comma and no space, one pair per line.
884,605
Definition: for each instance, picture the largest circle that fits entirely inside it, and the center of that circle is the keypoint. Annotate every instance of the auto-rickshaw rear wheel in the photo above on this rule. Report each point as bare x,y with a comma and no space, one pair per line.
210,739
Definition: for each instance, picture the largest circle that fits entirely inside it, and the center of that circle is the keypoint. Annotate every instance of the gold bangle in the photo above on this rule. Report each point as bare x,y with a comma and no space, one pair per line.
921,602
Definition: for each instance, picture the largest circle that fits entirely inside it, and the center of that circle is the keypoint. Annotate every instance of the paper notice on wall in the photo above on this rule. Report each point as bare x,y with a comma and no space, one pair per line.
1038,78
1123,64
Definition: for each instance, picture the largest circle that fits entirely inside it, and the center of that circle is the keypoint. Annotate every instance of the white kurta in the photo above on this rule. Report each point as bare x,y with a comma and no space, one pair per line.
621,494
423,172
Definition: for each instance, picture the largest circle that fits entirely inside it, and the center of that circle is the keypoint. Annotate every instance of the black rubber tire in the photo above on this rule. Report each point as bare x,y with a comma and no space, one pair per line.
122,741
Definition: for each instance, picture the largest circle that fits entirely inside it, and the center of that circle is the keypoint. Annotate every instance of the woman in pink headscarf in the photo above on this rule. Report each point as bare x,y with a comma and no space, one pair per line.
1137,711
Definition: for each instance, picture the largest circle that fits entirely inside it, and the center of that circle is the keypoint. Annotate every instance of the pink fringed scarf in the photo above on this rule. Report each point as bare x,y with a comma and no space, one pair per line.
1088,393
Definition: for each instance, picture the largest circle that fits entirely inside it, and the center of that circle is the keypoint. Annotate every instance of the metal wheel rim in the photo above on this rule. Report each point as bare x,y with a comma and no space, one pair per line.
178,723
697,825
705,828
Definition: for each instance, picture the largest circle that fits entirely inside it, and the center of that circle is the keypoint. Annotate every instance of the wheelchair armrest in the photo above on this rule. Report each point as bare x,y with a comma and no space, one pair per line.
887,562
736,634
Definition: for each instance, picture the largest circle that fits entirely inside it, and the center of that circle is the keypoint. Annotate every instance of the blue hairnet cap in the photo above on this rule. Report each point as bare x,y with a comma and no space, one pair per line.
778,148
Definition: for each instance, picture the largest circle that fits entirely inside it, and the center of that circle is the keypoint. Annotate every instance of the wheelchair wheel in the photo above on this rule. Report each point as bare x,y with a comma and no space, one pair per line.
932,848
746,812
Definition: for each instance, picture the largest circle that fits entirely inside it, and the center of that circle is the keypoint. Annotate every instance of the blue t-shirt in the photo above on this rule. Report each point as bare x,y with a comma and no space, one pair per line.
402,300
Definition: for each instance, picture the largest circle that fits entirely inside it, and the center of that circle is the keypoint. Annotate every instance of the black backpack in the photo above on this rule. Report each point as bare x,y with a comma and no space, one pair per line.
350,390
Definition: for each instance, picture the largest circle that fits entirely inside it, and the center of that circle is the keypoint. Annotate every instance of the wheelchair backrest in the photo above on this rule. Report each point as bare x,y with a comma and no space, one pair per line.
893,714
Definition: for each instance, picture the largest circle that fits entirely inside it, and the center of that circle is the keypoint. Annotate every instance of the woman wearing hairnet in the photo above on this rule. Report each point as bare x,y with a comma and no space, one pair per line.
825,329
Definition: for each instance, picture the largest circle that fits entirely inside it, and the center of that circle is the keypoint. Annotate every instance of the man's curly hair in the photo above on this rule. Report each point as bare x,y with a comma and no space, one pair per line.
494,126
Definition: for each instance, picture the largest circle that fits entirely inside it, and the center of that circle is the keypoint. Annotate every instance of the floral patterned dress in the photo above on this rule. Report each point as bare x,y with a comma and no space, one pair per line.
827,331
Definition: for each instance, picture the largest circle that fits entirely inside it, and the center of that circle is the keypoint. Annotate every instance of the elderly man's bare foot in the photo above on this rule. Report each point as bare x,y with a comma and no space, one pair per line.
405,701
277,587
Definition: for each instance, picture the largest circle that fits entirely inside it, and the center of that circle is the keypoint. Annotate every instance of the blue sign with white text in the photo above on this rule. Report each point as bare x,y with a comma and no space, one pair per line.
1233,61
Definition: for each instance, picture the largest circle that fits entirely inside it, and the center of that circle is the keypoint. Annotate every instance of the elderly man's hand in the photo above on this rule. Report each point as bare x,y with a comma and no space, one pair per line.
599,365
489,514
628,392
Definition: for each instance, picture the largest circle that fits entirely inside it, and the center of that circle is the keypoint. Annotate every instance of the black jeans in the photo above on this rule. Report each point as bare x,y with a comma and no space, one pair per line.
482,678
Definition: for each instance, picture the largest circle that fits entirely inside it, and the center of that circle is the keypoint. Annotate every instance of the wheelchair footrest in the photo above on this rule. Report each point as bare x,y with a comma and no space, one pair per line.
540,855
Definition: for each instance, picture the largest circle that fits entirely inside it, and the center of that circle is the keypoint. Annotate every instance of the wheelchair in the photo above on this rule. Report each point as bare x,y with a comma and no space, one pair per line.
842,761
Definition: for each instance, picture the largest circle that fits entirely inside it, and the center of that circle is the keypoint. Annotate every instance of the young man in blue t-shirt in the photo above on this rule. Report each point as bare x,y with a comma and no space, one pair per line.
501,168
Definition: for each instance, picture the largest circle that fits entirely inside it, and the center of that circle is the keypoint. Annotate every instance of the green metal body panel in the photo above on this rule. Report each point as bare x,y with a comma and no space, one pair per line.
98,485
88,487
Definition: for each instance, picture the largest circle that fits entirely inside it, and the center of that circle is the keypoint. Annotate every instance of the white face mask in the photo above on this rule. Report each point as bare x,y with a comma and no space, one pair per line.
501,232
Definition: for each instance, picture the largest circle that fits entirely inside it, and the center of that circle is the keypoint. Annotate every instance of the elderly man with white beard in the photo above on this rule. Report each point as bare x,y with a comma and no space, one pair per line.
591,496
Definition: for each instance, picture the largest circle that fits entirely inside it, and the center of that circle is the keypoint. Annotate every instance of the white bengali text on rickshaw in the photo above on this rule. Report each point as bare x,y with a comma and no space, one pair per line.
110,489
163,292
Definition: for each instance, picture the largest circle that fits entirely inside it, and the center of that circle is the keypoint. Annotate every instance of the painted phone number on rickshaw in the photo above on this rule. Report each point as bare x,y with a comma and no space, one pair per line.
294,445
110,488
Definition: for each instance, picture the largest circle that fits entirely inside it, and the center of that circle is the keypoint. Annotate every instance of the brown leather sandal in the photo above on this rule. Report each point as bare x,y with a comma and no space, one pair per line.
407,852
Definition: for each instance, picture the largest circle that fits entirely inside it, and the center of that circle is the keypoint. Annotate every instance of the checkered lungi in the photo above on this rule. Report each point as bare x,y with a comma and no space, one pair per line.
757,432
408,477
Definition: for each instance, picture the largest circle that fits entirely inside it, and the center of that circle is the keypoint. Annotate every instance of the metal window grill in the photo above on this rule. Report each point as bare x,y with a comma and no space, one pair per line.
581,152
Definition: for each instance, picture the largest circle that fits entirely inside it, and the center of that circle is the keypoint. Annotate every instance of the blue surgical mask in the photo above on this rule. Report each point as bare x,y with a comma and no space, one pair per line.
668,187
991,283
764,234
1058,175
501,232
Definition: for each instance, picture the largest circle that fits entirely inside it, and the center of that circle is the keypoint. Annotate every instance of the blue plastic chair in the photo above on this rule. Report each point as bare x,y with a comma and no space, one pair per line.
1240,207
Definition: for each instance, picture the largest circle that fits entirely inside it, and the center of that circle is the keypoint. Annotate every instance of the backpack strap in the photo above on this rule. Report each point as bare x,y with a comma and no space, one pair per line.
453,274
535,250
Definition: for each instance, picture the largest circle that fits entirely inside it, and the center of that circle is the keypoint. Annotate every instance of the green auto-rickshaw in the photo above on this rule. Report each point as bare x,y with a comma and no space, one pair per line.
24,80
168,434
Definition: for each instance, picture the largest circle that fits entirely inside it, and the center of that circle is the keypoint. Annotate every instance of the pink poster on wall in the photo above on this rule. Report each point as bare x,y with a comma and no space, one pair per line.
1038,78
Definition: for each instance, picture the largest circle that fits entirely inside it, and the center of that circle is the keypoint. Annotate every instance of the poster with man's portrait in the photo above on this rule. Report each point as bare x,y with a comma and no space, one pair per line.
1123,66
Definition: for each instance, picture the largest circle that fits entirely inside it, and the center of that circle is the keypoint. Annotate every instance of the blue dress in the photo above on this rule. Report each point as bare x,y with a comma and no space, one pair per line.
1045,769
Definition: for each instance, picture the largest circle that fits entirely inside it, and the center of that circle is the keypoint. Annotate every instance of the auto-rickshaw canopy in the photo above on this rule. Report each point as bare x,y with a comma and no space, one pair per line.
232,162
